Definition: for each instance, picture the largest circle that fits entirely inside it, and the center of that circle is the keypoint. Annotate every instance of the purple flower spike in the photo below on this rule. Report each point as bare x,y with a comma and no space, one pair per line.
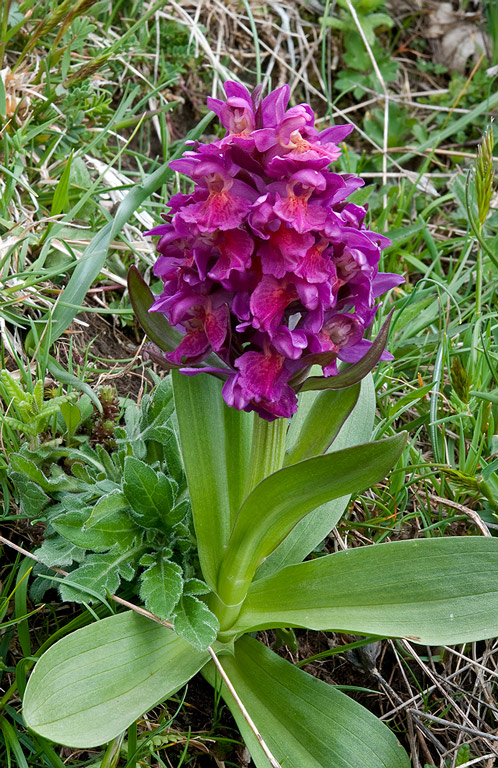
266,266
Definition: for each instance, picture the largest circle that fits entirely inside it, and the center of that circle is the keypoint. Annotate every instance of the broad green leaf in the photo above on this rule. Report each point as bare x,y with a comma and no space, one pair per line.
195,622
149,493
101,574
161,401
305,722
313,528
195,587
71,415
238,428
91,685
107,514
161,586
215,444
280,501
432,591
323,421
177,513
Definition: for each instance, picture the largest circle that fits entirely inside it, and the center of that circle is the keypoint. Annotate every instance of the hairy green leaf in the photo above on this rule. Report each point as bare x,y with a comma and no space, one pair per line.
58,551
23,465
32,499
195,622
101,574
149,493
114,528
161,586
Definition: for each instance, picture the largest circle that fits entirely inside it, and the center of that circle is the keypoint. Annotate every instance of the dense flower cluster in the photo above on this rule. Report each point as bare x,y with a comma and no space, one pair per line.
265,263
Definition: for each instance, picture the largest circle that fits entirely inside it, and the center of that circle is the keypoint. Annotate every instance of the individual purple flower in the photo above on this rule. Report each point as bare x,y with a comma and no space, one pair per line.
261,384
267,268
237,112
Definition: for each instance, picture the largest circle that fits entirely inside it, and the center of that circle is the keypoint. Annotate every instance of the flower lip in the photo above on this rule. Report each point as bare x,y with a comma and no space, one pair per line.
305,182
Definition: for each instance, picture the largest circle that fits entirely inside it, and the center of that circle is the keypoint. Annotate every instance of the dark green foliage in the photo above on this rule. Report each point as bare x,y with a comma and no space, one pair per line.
121,515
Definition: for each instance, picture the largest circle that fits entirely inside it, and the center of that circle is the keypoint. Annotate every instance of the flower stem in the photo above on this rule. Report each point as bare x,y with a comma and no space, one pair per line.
267,450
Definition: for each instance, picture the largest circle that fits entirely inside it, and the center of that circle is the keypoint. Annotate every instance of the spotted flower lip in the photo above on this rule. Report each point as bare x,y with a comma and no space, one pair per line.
267,268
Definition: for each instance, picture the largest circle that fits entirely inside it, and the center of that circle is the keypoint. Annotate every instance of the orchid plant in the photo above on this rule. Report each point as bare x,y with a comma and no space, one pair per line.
270,278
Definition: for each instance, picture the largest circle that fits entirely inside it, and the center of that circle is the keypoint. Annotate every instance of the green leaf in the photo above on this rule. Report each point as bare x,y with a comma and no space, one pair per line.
24,466
60,199
405,234
154,324
31,497
3,102
11,736
91,685
149,494
101,573
195,622
453,127
195,587
305,722
58,551
312,529
110,519
177,513
277,504
71,415
113,528
356,372
323,421
215,444
60,374
433,591
161,586
171,452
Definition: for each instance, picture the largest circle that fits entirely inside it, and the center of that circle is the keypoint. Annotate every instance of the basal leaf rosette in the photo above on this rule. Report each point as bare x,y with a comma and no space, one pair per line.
267,269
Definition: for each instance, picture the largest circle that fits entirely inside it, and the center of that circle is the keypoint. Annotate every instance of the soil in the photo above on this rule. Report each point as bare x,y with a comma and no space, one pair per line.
116,348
